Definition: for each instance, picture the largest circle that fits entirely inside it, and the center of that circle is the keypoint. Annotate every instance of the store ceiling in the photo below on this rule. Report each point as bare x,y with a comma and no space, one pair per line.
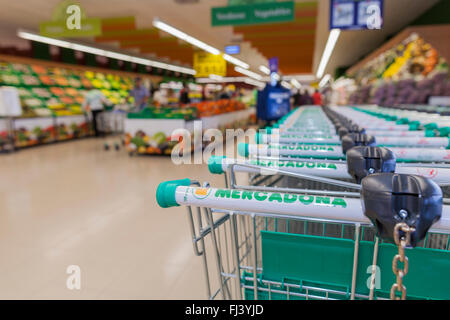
298,44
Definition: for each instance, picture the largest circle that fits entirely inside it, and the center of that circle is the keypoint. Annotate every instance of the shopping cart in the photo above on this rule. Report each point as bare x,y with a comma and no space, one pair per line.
111,125
265,245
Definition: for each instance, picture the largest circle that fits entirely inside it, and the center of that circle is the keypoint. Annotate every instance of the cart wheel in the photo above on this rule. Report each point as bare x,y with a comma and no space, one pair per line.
106,147
123,142
117,147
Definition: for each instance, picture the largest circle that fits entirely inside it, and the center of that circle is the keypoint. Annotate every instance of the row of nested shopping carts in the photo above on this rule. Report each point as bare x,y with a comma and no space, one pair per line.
341,203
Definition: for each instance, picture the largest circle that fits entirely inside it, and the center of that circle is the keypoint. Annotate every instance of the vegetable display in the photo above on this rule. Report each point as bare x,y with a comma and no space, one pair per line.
408,73
51,101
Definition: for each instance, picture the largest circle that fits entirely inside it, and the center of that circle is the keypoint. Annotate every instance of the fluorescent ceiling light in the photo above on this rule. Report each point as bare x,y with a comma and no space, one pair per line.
248,73
235,61
295,83
329,47
199,44
255,83
286,84
215,87
215,77
222,80
264,69
100,52
324,80
300,77
183,36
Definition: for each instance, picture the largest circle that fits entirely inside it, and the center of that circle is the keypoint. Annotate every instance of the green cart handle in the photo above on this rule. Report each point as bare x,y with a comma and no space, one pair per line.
165,193
215,164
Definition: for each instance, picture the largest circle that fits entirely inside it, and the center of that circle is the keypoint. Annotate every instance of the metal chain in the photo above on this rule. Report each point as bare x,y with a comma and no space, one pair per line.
401,242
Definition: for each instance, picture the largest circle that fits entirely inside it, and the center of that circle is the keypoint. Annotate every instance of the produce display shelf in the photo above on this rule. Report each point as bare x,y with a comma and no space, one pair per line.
23,132
154,136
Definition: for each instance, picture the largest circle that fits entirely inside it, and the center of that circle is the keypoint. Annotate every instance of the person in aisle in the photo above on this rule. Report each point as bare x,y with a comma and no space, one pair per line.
140,94
204,95
317,98
94,102
223,94
305,98
297,98
184,94
153,88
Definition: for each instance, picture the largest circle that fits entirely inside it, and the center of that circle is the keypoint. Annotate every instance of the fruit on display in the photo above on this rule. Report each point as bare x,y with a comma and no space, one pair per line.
141,143
24,93
47,80
71,92
33,103
67,100
61,81
211,108
74,82
42,93
42,136
64,132
39,69
159,138
10,80
57,91
42,112
414,57
60,90
86,83
19,68
406,74
30,80
5,143
38,135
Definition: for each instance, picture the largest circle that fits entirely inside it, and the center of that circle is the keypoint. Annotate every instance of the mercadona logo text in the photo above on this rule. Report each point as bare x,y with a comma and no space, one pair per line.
280,198
291,164
301,147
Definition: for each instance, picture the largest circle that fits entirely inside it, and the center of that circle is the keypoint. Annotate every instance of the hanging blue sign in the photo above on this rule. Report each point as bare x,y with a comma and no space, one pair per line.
233,49
356,14
273,64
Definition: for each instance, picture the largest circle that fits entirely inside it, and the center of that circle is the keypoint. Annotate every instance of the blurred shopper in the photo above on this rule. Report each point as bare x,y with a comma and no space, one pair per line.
184,94
204,98
305,98
153,88
297,98
140,94
223,94
94,102
317,98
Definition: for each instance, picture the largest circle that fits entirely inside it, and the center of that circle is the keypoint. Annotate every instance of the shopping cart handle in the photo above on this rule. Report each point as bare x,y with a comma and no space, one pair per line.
243,149
259,138
215,164
165,194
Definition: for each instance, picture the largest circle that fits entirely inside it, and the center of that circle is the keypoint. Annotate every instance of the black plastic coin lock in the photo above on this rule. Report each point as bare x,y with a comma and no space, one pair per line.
356,139
391,198
365,160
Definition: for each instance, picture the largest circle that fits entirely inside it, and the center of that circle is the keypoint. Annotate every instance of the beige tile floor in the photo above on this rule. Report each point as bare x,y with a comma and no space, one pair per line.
75,204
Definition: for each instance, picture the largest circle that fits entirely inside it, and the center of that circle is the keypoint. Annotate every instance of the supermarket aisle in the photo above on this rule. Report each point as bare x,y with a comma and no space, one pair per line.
75,204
